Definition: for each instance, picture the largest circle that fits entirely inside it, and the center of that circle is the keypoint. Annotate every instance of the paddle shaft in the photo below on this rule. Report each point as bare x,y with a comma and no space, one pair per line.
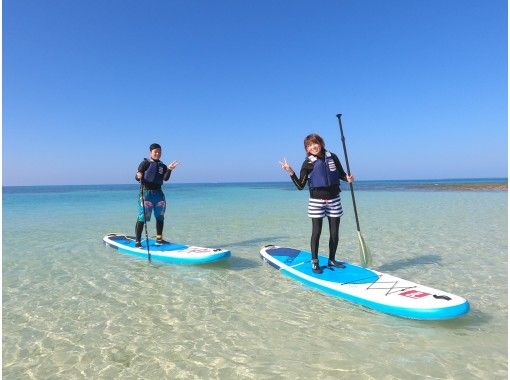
339,116
145,220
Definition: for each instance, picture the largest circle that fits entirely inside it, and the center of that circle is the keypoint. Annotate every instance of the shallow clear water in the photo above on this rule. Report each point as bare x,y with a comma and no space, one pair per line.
73,308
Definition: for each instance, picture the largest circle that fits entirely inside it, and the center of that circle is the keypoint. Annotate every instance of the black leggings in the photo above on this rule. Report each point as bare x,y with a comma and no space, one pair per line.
334,226
139,229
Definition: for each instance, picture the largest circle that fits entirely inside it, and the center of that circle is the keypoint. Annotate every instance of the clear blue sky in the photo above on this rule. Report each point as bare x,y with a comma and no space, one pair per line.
230,87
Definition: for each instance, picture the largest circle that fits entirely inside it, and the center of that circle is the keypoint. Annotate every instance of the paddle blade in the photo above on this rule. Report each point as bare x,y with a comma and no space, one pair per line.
365,255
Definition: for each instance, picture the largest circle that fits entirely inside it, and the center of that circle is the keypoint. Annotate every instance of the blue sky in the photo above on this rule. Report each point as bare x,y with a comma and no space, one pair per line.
228,88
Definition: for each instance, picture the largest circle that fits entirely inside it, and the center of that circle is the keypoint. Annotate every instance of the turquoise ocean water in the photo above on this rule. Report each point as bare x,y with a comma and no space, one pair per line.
73,308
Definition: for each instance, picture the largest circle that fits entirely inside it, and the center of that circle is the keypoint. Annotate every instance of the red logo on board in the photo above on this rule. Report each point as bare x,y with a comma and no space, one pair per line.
414,294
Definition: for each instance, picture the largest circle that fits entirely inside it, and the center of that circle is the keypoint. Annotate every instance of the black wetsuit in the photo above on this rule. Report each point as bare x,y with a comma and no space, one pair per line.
319,192
144,165
330,192
150,186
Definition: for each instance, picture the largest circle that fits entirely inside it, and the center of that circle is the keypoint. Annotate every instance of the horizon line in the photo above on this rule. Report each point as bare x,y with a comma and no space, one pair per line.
282,181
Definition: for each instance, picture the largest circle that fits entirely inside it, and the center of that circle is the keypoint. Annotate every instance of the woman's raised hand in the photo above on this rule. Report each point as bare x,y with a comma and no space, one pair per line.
285,166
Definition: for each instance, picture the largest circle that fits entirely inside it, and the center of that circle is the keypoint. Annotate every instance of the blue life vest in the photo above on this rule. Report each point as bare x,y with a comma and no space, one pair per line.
324,173
155,172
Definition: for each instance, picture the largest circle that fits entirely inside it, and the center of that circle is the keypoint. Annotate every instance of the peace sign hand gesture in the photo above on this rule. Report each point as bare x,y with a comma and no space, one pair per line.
173,165
285,166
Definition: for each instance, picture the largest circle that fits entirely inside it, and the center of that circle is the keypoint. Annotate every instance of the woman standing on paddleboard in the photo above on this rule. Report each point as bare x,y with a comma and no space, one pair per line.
152,172
323,172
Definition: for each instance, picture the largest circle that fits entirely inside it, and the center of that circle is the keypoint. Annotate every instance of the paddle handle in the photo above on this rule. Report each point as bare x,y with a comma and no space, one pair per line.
339,116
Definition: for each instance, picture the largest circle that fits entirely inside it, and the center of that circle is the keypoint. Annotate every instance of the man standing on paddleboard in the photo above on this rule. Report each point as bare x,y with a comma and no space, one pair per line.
151,173
323,172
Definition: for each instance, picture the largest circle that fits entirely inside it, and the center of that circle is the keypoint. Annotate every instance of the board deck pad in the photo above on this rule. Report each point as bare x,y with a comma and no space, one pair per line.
351,274
367,287
168,251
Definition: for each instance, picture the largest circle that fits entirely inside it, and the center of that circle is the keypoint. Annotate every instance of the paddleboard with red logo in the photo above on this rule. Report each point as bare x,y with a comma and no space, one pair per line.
367,287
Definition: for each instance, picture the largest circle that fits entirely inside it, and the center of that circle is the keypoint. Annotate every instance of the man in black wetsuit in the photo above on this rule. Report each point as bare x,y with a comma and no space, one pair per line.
152,172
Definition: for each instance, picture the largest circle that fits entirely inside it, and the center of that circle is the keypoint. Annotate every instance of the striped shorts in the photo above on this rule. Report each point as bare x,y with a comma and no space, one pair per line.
319,208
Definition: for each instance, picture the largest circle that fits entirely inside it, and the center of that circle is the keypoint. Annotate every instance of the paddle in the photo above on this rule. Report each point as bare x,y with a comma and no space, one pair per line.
145,220
366,257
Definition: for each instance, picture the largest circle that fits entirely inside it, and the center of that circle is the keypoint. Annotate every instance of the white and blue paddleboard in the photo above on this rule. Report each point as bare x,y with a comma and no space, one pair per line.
168,252
367,287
